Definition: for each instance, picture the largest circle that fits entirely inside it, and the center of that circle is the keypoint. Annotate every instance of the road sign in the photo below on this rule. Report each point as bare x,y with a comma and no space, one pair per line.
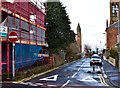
3,31
13,36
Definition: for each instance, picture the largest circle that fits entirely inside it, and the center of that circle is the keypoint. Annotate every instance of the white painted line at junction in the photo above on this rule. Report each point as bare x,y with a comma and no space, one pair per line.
74,74
65,84
40,84
23,83
88,79
105,76
52,85
79,69
50,78
103,80
15,82
30,83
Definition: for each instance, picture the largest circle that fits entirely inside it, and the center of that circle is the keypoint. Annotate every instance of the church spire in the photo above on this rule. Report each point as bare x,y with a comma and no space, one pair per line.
78,29
79,38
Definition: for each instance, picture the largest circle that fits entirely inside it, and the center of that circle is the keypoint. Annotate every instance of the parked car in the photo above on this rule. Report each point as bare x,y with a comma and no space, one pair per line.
96,60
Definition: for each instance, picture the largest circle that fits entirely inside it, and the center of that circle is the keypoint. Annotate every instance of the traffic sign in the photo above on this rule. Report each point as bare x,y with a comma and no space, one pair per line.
13,36
3,31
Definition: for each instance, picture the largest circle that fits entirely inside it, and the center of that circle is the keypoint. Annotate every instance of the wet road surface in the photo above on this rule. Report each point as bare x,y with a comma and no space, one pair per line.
75,74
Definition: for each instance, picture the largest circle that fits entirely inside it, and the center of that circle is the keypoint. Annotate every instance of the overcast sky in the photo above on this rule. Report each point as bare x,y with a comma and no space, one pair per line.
92,15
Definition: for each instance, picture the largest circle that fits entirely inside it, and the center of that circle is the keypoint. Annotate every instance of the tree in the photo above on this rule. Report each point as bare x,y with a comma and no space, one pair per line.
87,49
114,52
58,28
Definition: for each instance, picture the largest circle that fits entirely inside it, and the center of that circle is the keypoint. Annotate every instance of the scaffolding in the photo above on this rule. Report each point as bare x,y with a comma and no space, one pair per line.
27,19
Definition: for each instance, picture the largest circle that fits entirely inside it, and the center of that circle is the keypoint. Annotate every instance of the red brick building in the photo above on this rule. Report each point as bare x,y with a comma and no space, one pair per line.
112,30
111,35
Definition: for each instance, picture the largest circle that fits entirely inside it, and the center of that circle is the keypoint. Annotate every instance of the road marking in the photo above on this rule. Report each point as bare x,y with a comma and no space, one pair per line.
52,85
89,79
65,84
15,82
50,78
102,80
25,83
40,84
102,70
31,84
31,77
74,74
79,69
104,74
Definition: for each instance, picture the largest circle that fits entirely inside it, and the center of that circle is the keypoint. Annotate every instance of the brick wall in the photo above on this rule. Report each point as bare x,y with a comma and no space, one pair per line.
111,36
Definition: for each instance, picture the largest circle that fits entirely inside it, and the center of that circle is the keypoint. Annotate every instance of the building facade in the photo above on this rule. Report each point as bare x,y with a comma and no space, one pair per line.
27,20
114,11
113,28
112,35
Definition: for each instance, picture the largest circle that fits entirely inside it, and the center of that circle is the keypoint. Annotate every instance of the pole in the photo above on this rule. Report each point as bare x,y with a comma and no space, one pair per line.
13,61
118,39
93,68
0,57
0,51
0,63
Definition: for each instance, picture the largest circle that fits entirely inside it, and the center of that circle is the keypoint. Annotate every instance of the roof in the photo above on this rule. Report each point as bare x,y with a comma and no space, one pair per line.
115,25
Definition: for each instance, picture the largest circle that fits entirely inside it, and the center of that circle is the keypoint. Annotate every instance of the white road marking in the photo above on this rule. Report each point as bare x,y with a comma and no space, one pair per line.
23,83
74,74
54,78
29,83
40,84
79,69
88,79
65,84
52,85
15,82
105,76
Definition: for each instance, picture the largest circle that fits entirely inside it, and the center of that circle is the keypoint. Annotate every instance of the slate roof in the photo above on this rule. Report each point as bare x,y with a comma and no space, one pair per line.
115,25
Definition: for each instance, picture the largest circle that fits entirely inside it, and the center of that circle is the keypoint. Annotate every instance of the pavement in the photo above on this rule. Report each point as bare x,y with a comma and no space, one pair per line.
112,73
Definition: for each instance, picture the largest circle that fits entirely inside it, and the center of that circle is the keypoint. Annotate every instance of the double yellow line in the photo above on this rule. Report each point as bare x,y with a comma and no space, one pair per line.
31,77
102,80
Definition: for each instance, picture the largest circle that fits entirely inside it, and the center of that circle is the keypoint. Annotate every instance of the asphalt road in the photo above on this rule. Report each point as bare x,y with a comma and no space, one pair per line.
76,74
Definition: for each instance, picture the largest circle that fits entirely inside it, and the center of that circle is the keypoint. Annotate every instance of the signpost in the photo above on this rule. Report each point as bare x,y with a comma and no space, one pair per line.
13,37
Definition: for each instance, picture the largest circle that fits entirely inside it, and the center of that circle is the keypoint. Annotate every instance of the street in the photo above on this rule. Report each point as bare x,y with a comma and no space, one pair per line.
60,44
75,74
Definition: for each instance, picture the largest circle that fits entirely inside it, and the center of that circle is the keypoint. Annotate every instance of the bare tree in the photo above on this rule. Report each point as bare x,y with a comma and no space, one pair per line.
87,49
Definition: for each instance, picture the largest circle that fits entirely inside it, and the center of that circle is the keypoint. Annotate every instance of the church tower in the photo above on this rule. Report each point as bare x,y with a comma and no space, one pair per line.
79,38
114,11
